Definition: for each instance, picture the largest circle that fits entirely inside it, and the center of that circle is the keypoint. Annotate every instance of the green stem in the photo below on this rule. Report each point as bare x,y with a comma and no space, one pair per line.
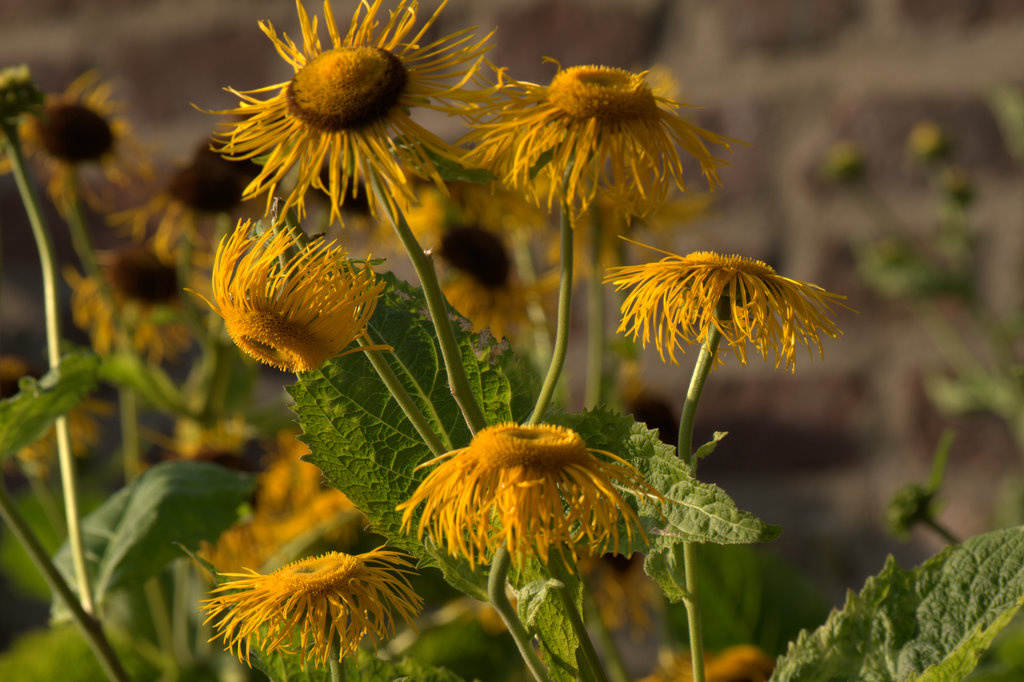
159,614
595,318
572,611
499,600
562,321
334,661
458,382
693,619
946,534
701,370
87,625
50,307
401,396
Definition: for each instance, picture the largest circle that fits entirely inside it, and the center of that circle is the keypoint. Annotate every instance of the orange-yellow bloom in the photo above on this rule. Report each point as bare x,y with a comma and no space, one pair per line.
529,488
592,129
348,104
296,315
676,301
316,601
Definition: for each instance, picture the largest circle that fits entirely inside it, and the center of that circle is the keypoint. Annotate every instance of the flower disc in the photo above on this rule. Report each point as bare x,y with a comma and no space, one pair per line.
604,93
347,87
75,133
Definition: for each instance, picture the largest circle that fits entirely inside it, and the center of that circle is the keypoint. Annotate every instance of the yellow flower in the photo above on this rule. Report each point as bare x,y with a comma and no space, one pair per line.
347,105
529,488
79,128
607,126
207,186
675,299
319,600
144,290
294,316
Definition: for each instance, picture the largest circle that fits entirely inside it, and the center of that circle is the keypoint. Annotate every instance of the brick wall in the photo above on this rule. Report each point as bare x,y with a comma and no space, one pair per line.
820,450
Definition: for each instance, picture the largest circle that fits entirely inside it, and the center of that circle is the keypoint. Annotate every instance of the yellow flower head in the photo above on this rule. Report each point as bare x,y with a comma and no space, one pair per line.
144,288
612,132
83,127
529,488
316,601
293,316
347,104
675,299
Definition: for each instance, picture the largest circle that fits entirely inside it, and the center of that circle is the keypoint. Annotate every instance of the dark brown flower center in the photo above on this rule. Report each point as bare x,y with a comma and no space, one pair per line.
210,184
346,88
74,133
478,253
138,274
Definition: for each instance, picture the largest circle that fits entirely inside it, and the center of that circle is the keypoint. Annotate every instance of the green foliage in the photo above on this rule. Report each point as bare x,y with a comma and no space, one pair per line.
133,535
930,623
463,646
541,609
148,380
364,667
60,653
26,416
363,442
748,596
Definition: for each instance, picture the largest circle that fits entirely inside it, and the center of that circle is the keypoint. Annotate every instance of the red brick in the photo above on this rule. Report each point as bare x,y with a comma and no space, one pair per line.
880,124
572,33
783,24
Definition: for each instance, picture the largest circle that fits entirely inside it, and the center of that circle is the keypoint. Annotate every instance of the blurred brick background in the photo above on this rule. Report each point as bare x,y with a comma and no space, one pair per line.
819,451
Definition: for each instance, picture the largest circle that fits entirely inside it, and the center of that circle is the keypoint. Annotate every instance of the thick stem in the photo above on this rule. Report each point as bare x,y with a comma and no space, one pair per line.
501,604
87,625
458,382
402,397
47,264
334,661
562,321
572,612
595,318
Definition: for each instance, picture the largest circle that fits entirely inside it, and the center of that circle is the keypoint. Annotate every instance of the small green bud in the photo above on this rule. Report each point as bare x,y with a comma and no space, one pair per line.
18,93
843,162
927,142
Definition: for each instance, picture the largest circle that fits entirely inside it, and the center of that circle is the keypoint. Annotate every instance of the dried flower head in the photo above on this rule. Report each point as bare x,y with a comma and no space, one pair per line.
529,488
348,104
676,298
315,601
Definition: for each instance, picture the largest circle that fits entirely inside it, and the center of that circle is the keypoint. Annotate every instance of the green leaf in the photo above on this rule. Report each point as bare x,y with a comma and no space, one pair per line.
364,666
132,536
148,380
709,447
930,623
541,609
363,442
696,512
26,416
